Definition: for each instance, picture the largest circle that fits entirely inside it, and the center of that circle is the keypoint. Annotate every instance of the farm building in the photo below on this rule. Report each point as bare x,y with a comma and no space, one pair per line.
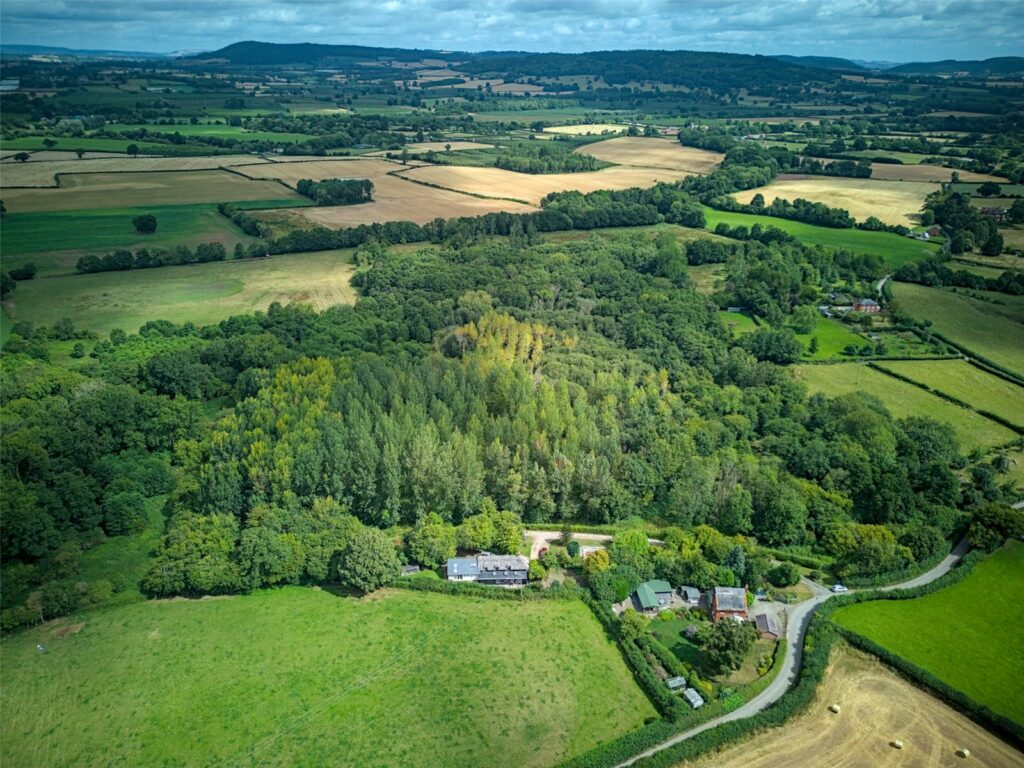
652,596
485,568
767,626
690,595
866,305
728,601
693,698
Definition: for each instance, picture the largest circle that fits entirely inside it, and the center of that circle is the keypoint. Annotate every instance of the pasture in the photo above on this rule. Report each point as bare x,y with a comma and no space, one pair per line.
894,202
55,241
969,322
904,400
894,249
967,634
44,172
299,676
971,385
216,130
653,153
531,188
833,337
84,191
877,705
198,293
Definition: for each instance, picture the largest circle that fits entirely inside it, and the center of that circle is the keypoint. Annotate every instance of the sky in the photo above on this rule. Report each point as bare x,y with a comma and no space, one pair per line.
874,30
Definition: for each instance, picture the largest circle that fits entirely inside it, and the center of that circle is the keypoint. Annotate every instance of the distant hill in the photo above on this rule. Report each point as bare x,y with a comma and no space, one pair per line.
822,62
694,69
53,50
251,52
1002,65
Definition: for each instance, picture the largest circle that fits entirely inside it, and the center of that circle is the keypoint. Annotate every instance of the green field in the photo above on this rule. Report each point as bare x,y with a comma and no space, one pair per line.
198,293
299,676
903,400
966,383
739,322
894,249
104,229
215,130
969,322
94,145
969,635
833,337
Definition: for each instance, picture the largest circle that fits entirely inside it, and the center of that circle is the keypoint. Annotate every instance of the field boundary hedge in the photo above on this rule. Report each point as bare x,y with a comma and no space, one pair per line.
469,589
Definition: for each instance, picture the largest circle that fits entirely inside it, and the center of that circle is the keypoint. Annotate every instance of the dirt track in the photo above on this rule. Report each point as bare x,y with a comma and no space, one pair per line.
876,706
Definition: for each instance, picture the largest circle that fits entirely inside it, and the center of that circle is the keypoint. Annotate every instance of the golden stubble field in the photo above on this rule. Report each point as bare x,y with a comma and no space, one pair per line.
43,173
82,191
394,198
894,202
652,152
531,188
876,707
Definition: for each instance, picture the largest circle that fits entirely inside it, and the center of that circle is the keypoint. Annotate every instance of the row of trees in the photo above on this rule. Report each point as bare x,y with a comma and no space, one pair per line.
148,258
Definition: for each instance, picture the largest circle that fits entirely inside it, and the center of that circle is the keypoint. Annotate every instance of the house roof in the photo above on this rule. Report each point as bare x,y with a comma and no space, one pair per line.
689,592
866,303
462,566
765,622
730,598
676,682
648,592
495,563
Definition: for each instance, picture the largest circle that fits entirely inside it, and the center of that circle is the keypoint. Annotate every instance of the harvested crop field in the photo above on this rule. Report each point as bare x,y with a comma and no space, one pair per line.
971,385
876,706
904,400
58,154
588,129
936,173
653,153
433,146
894,202
43,174
86,191
499,183
292,172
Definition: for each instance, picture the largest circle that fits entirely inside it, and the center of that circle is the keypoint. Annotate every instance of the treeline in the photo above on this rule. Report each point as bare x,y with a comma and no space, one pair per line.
967,227
935,272
818,214
548,157
336,191
148,258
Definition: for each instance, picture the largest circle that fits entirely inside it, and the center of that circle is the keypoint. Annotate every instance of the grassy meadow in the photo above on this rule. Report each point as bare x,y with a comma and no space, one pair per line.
41,237
968,635
299,676
894,249
833,337
903,400
971,385
198,293
969,322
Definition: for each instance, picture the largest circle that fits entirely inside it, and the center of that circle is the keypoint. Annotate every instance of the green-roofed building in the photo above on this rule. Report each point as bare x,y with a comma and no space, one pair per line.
653,595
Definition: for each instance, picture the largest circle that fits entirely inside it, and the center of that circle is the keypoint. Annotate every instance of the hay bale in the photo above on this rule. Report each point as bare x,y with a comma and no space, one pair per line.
896,744
963,752
834,708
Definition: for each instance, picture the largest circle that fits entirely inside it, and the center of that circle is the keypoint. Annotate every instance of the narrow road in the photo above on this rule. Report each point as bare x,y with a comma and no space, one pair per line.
881,284
541,539
799,618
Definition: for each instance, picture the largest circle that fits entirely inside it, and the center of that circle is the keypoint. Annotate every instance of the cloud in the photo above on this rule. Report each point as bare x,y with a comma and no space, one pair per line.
898,30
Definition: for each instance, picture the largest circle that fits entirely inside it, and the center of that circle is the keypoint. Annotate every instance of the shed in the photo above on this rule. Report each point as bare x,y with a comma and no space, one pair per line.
675,683
690,595
767,626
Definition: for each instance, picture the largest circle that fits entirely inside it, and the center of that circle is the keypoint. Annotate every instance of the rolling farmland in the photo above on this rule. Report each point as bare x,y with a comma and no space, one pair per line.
653,153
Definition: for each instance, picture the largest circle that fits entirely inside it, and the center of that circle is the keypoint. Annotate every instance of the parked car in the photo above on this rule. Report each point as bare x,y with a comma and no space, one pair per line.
839,588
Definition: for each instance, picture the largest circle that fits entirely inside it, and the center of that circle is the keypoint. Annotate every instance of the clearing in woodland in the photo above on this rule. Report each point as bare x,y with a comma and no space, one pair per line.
299,676
904,400
894,202
653,153
532,187
197,293
876,706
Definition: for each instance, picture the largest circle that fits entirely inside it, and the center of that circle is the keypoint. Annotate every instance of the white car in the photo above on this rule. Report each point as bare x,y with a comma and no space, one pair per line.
839,588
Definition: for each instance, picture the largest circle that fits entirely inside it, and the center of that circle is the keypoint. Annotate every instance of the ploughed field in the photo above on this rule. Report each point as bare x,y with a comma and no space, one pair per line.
299,676
875,706
969,635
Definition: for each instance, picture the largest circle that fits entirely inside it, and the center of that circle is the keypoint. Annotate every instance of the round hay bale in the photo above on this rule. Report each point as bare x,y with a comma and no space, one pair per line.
963,752
896,744
834,708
